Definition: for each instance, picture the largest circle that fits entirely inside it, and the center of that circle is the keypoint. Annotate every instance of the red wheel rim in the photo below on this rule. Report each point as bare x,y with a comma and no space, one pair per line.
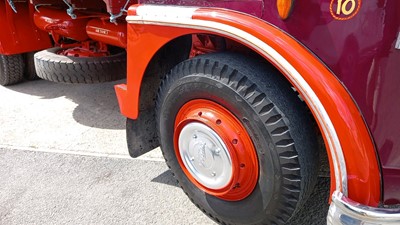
218,129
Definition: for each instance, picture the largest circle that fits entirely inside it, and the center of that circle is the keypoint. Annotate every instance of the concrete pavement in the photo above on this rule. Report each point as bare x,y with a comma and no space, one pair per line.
64,160
51,188
42,114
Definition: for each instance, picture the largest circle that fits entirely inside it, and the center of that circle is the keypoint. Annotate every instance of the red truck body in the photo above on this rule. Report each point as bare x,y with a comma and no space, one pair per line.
341,56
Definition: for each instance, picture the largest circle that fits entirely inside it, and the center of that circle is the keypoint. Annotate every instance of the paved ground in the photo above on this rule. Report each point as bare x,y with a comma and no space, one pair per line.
46,115
51,188
63,160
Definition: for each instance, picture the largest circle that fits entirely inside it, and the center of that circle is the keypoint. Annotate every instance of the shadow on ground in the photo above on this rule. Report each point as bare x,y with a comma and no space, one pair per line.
166,178
95,102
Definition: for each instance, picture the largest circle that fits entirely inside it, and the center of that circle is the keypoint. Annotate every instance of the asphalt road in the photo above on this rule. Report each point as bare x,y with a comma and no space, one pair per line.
63,160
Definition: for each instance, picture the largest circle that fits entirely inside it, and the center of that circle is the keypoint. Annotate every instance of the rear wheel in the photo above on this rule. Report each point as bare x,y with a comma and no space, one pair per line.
30,71
237,138
11,69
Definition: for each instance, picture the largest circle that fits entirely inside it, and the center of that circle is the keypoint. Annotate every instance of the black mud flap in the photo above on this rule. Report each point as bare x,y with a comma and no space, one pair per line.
141,134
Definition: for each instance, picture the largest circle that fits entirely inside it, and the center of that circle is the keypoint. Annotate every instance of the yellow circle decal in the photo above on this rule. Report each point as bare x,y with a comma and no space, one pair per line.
344,9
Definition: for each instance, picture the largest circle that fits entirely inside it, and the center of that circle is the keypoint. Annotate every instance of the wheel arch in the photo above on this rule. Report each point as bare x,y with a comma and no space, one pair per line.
168,56
345,133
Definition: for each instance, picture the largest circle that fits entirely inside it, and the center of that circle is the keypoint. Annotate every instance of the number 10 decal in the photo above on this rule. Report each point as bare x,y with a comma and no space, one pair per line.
344,9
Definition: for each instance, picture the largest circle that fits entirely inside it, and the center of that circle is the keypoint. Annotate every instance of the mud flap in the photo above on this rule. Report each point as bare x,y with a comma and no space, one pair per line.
141,134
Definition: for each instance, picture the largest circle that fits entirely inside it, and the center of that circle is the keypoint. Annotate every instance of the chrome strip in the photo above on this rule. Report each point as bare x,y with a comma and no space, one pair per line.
397,46
157,12
345,211
165,16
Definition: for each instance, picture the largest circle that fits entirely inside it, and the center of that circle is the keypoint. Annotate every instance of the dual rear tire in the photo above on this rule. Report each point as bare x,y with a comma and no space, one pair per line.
16,68
49,65
11,69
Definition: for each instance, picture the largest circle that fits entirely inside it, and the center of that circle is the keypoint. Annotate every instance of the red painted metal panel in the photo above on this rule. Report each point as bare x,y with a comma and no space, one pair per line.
18,32
115,6
361,52
110,33
59,22
252,7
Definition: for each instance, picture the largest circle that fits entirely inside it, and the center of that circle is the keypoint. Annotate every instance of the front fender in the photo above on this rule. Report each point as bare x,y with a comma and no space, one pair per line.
350,148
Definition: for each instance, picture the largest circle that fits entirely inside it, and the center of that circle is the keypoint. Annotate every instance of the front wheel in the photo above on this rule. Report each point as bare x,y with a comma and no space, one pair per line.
237,138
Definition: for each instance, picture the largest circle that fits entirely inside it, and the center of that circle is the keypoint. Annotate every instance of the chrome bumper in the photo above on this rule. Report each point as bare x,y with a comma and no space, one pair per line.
347,212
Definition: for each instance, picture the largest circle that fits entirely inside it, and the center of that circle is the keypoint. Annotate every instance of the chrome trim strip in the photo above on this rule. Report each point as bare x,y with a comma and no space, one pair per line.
158,12
166,16
345,211
397,46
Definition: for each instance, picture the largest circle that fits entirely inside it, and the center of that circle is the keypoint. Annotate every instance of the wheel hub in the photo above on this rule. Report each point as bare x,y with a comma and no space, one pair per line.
205,155
215,151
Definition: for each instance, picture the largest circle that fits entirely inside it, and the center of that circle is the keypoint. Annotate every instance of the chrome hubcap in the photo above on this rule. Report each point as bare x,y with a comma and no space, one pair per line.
205,155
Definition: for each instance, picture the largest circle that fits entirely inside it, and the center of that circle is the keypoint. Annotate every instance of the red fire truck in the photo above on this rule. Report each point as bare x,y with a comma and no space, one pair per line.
245,97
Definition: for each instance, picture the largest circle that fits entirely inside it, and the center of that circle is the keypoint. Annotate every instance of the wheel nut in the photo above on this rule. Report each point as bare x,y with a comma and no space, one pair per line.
213,174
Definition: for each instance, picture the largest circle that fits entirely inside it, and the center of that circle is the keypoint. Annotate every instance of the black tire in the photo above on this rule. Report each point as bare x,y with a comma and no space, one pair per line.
11,69
59,68
30,71
277,121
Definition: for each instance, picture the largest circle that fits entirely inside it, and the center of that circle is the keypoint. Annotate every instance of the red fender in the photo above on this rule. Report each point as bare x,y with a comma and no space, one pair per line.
352,156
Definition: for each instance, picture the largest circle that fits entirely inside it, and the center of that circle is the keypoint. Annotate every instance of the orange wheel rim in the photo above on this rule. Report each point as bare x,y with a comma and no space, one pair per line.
215,151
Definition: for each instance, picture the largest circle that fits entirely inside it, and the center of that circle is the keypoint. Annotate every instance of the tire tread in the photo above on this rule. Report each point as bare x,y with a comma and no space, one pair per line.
12,69
58,68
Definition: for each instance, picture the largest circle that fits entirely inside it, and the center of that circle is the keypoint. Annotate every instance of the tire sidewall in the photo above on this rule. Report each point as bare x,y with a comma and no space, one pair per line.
260,201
